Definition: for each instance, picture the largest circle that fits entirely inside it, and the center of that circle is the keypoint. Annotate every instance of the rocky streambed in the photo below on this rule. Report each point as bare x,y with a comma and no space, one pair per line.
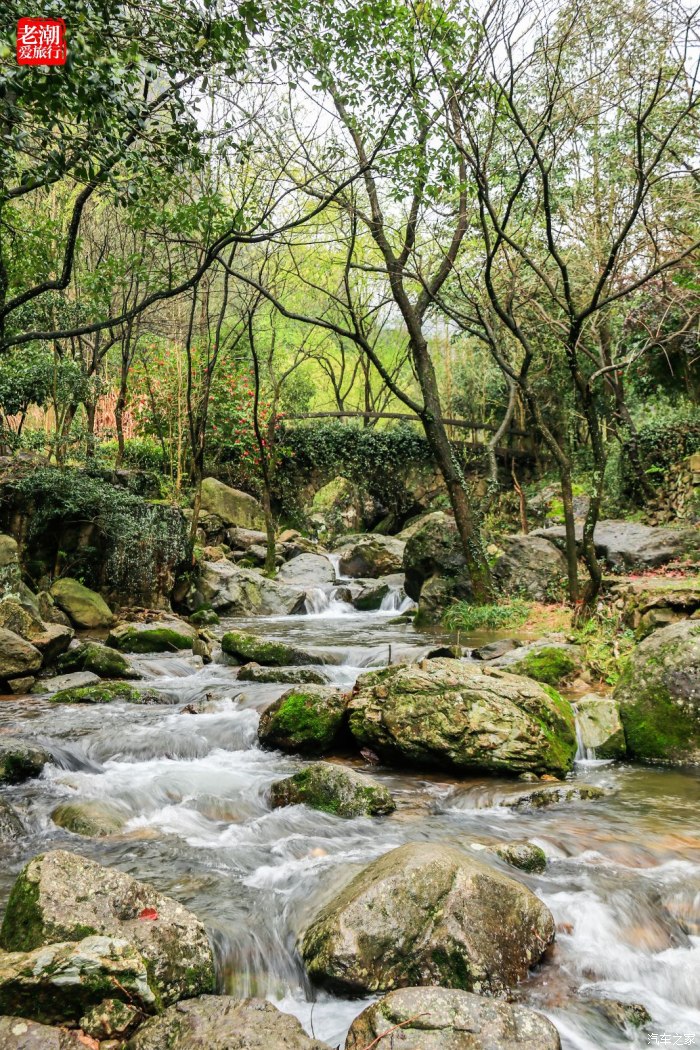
582,896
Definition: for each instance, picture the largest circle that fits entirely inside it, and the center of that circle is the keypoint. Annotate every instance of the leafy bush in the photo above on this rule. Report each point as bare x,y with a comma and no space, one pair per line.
465,617
139,453
663,440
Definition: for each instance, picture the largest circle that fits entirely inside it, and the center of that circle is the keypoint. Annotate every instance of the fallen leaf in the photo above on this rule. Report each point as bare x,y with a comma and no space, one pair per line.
148,913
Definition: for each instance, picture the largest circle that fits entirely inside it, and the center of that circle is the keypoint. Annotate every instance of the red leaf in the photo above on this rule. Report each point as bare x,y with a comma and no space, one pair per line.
148,913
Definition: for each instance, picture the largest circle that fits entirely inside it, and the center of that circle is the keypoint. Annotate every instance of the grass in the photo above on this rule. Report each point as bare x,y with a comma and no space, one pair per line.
465,617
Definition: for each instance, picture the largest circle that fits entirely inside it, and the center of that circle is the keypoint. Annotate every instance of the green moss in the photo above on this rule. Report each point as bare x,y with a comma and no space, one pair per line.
204,618
248,648
107,663
300,716
157,640
22,928
657,729
104,693
333,790
549,665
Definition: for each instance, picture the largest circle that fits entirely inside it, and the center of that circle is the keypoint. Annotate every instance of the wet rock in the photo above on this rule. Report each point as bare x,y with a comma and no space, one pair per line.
22,685
100,660
253,672
427,914
374,592
626,545
110,1018
307,570
453,715
107,693
530,565
157,636
65,681
60,896
58,982
622,1015
220,1022
659,696
524,855
11,826
308,719
249,648
95,818
333,789
53,640
19,1033
85,608
448,1019
550,664
20,760
552,795
204,618
600,726
494,650
371,556
17,656
231,505
234,591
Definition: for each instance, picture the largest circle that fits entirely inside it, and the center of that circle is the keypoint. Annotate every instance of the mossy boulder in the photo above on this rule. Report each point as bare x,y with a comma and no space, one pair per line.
549,664
57,983
204,618
93,818
106,693
20,760
98,659
334,789
283,675
449,1019
84,607
18,657
659,696
157,636
308,719
523,855
231,505
552,795
249,648
427,914
60,896
220,1022
462,716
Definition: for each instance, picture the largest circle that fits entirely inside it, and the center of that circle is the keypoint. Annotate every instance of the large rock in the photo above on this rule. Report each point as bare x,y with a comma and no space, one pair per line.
307,570
58,982
448,1019
249,647
428,914
371,556
157,636
107,693
22,621
530,565
19,1033
94,818
231,505
219,1022
85,608
63,897
234,591
452,715
550,664
625,545
600,727
333,789
20,760
309,719
97,659
436,573
18,658
253,672
65,681
659,696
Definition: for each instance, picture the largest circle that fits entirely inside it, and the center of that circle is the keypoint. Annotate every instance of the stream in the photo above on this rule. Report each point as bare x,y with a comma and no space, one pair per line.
623,874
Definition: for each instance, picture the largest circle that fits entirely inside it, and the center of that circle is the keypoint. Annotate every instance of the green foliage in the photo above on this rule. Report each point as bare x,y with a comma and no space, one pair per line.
465,617
605,642
134,541
549,665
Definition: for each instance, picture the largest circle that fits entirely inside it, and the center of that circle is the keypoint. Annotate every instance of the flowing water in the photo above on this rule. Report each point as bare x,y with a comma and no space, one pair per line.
623,874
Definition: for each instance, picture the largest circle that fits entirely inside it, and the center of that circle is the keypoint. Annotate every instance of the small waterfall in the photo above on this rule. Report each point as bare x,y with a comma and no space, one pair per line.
583,753
396,601
321,601
334,559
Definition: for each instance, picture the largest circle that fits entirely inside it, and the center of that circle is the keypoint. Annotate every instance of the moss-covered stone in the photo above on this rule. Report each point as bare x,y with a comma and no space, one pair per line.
106,693
548,664
20,760
552,795
157,637
334,789
523,855
282,675
452,715
309,720
659,696
93,818
98,659
85,608
248,648
204,618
